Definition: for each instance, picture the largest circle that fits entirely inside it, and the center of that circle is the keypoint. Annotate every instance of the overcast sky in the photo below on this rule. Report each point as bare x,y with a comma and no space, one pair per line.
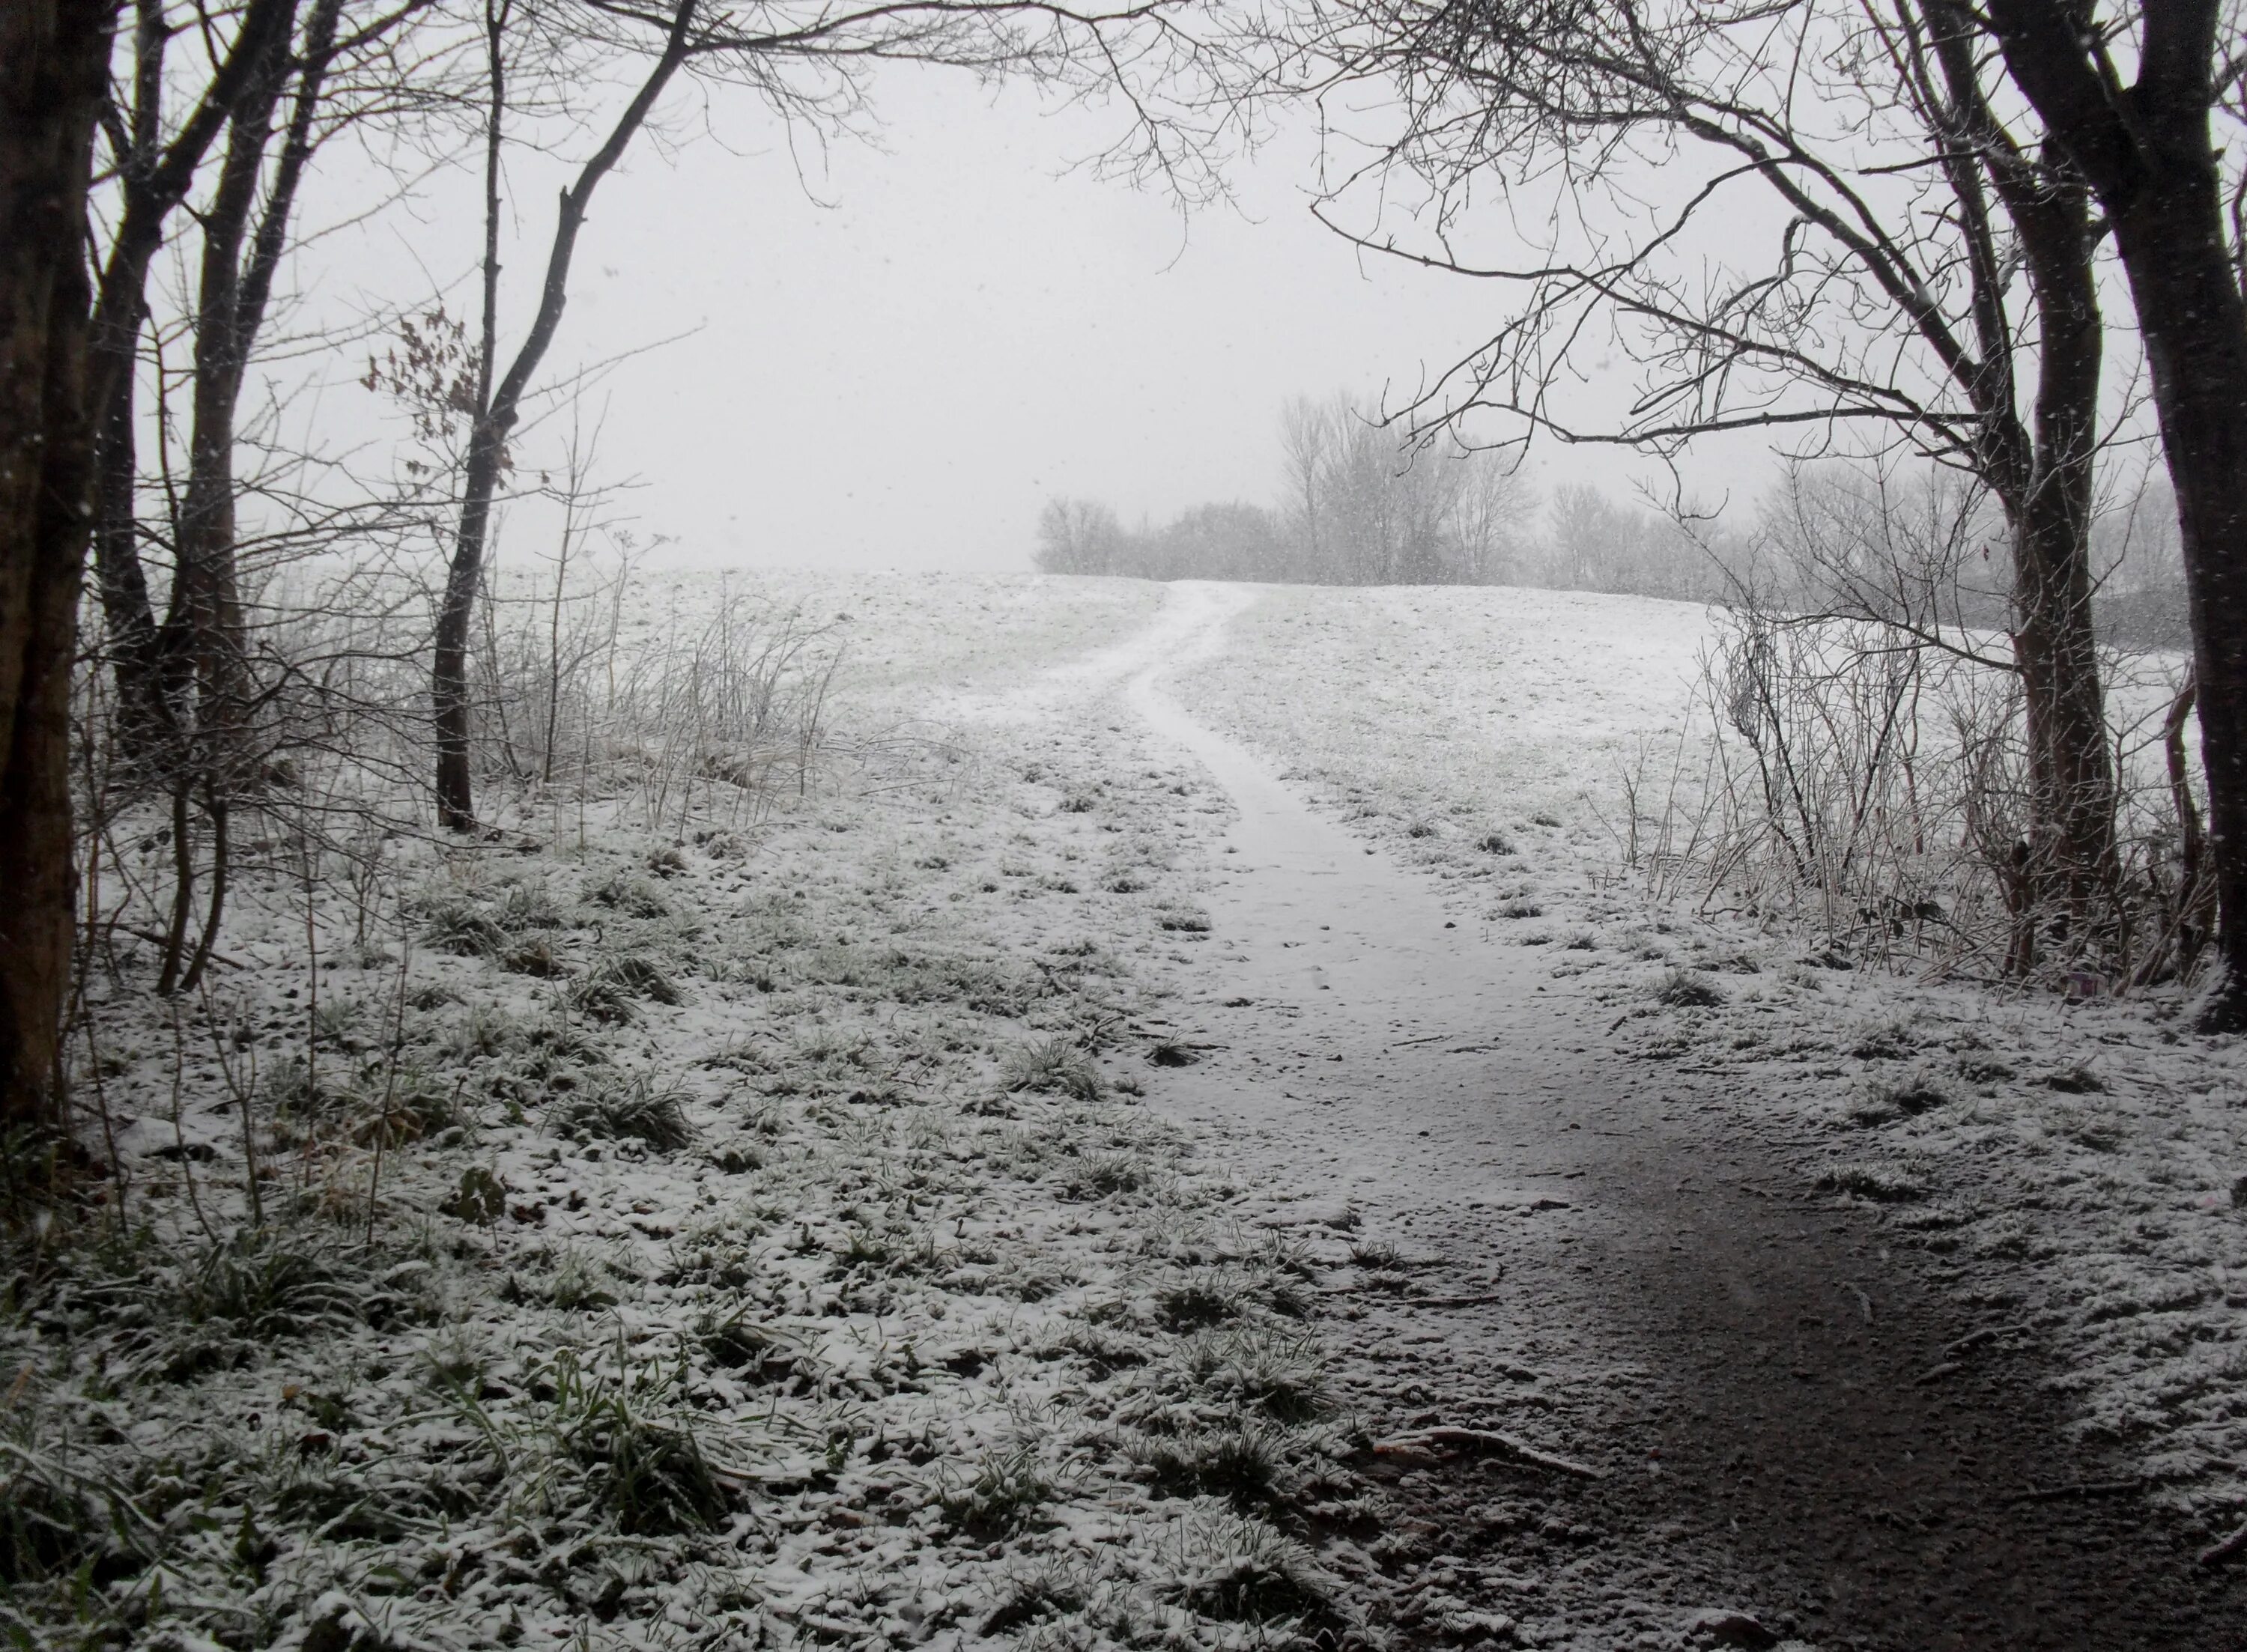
895,359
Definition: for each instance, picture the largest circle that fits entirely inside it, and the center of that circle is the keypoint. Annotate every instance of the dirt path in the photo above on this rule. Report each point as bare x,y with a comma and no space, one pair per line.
1613,1265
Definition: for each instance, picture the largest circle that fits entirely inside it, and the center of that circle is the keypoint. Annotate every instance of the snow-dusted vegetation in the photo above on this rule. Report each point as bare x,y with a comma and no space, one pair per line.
712,1234
735,1200
1587,998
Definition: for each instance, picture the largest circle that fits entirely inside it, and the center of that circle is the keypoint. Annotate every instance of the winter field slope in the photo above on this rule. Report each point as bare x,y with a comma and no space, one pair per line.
2080,1171
828,1219
693,1234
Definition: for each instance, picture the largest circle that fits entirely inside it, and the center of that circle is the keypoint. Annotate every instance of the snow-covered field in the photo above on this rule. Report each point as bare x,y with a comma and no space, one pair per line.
718,1237
2084,1165
759,1233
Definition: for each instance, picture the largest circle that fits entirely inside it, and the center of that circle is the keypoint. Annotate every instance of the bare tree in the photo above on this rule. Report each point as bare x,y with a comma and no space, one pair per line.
1900,210
152,177
2145,145
1367,505
803,63
188,699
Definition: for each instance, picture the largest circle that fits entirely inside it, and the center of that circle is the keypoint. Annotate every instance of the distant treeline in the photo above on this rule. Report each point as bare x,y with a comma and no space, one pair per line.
1359,507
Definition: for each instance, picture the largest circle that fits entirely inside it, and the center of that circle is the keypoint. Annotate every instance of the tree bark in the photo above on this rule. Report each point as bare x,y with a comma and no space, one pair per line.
205,671
54,59
2147,154
141,722
2073,843
2042,473
128,617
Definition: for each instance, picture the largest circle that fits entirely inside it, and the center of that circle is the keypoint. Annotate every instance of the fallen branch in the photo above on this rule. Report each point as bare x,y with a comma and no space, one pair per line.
155,940
1486,1442
1976,1339
2081,1488
2229,1550
1483,1301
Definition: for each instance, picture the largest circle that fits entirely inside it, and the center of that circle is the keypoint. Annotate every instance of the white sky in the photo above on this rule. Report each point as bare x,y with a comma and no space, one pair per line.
898,364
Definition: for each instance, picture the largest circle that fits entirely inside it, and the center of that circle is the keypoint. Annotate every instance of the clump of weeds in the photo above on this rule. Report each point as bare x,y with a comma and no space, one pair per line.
1051,1067
638,1109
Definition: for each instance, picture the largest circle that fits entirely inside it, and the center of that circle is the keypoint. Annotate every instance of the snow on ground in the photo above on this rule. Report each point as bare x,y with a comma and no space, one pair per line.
750,1232
714,1236
2084,1167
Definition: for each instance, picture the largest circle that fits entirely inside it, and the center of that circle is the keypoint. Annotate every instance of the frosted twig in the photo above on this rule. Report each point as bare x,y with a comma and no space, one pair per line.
1487,1441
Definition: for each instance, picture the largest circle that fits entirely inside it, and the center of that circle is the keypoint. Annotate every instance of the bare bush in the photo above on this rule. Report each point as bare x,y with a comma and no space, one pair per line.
1867,782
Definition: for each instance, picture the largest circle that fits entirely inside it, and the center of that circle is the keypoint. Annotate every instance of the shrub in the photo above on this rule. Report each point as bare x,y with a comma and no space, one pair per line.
458,925
58,1517
1282,1375
631,896
641,976
606,992
598,998
529,906
1105,1174
1239,1570
1241,1465
1884,1041
1882,1184
537,957
274,1282
1202,1299
1051,1587
579,1283
1916,1092
404,1106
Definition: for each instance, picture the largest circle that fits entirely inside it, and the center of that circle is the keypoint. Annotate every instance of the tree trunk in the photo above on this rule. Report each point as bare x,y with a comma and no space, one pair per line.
205,665
2149,155
449,668
2196,333
2044,473
54,59
2073,843
141,723
154,181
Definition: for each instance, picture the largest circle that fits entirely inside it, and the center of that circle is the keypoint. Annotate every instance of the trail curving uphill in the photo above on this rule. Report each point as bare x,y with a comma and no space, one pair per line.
1798,1437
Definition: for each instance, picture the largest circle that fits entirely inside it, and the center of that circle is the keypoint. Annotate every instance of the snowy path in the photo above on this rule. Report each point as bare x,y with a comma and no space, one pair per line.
1614,1265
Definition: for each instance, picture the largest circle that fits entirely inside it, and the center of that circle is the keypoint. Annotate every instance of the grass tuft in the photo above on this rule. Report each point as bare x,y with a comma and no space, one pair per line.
1008,1490
637,1109
1689,989
1052,1067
